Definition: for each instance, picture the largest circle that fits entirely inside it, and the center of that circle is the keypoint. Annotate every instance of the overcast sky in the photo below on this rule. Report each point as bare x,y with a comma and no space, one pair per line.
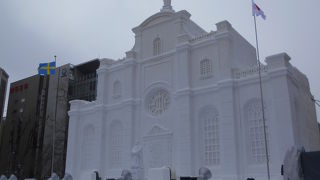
33,31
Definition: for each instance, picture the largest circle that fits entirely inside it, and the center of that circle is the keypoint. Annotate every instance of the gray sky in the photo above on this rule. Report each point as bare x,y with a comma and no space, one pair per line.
32,31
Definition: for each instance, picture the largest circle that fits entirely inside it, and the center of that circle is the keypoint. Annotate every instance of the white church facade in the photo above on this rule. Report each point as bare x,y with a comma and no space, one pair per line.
185,98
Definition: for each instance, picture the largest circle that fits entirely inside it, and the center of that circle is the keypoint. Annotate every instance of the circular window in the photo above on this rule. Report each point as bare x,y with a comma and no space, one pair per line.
158,102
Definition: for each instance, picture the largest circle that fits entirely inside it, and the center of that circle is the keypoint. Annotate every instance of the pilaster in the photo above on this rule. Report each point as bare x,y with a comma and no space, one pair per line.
183,101
102,87
224,42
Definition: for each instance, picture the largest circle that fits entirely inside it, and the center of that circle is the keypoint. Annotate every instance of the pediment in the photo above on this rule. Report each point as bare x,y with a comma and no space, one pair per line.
155,19
161,17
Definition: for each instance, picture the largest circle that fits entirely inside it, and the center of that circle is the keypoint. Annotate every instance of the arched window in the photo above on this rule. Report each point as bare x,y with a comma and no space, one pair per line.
88,146
116,144
116,89
156,46
255,130
210,128
205,68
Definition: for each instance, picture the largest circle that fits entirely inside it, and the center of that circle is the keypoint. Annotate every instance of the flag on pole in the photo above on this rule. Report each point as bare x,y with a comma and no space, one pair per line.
47,68
257,11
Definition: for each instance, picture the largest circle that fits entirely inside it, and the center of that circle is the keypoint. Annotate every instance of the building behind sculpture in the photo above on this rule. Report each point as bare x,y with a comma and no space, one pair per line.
76,82
25,114
2,126
3,89
191,98
319,126
34,107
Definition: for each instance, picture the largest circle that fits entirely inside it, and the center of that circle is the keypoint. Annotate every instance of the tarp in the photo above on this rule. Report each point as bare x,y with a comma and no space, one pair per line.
310,162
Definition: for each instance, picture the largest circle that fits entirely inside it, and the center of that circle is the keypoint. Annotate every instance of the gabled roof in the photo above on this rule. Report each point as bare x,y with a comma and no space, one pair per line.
190,27
164,16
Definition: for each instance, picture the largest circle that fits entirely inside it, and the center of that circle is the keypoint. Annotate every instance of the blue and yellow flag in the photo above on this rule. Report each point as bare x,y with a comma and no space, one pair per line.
47,68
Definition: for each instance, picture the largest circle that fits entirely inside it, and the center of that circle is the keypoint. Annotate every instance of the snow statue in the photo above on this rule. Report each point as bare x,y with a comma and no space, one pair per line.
167,2
3,177
137,162
292,167
204,173
67,177
13,177
96,176
167,6
125,175
54,176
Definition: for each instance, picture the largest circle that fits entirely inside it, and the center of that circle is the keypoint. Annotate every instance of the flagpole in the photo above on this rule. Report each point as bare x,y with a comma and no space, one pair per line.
262,101
55,118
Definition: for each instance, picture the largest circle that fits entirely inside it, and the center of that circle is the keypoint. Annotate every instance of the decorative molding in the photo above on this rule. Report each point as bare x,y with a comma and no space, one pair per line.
182,92
158,57
215,87
157,102
123,103
157,130
158,147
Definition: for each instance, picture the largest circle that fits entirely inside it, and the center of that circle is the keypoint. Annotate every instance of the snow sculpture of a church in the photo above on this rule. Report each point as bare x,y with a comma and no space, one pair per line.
190,99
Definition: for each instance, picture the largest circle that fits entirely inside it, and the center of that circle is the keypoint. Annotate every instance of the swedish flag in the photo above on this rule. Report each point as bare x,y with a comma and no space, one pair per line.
47,68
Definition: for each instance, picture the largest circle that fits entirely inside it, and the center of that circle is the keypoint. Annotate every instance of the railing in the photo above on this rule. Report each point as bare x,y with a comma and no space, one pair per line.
249,72
202,37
